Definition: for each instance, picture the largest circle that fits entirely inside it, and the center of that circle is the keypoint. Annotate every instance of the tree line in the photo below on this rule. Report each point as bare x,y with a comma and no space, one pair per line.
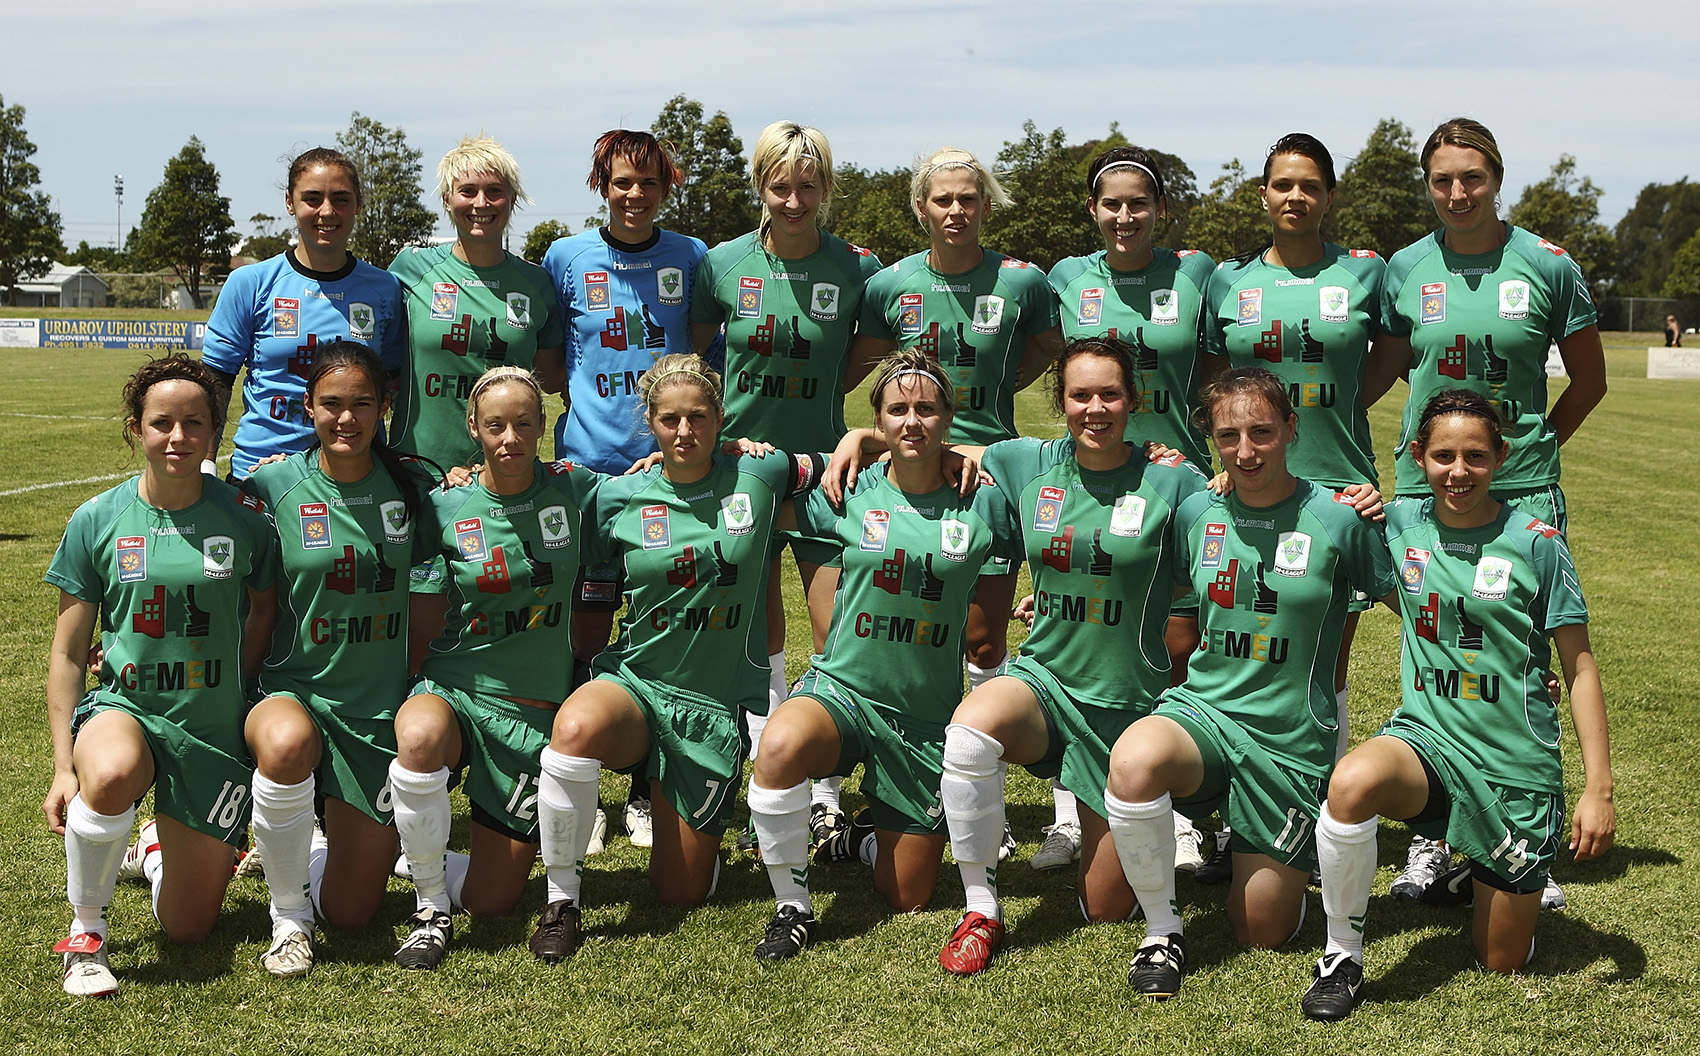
1380,204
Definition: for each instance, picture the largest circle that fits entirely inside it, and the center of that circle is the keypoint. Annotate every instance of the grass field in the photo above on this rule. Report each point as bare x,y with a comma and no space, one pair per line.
1617,971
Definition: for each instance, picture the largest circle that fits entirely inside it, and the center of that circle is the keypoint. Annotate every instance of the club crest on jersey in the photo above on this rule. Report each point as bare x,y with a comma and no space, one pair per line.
1493,579
1127,516
315,526
988,314
1165,308
1514,299
1411,572
286,317
396,528
739,513
823,302
1334,303
218,556
519,311
445,301
670,285
132,558
876,525
909,315
749,297
556,527
652,523
1292,554
362,321
1431,306
1215,542
1091,311
953,538
1251,308
596,294
469,539
1047,512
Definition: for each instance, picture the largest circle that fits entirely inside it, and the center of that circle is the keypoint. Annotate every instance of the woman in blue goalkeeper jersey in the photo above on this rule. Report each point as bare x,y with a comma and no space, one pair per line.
273,316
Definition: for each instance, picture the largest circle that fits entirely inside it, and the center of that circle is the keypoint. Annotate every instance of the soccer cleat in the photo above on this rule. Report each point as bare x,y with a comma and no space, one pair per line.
87,971
1157,967
136,855
640,826
248,864
825,820
1218,865
845,843
1061,847
1007,847
1552,897
1337,989
788,932
1451,888
1188,846
971,946
291,951
747,841
1425,862
557,934
598,834
427,942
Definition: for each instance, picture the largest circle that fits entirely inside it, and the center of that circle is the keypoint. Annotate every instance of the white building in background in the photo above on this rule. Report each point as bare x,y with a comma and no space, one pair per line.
64,286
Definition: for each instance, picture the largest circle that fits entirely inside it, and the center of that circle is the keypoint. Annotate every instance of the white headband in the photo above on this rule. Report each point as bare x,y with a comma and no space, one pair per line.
1156,183
912,371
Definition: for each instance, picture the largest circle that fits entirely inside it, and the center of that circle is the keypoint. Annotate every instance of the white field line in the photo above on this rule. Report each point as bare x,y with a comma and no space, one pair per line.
69,417
85,480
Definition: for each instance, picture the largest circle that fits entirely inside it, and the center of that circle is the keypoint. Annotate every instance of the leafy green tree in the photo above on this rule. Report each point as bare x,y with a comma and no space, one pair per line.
186,223
871,209
391,218
541,237
29,228
716,203
1565,210
1229,219
1381,203
1048,220
268,239
99,259
1682,280
1663,218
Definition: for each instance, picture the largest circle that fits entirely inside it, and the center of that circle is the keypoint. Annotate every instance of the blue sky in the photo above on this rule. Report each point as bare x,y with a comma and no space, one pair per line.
118,88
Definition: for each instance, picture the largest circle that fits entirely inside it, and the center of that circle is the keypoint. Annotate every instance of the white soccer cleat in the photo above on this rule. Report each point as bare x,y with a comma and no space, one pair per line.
291,952
1061,848
1189,844
639,824
88,973
136,855
598,834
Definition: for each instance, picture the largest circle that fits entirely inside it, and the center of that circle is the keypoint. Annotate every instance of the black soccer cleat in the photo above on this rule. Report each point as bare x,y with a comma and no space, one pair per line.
1337,989
557,934
790,930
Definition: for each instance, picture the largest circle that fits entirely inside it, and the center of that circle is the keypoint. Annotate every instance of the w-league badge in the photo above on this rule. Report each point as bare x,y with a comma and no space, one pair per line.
445,301
1292,554
1091,311
1215,541
1412,571
1047,512
132,558
738,513
469,539
596,294
749,297
670,286
953,539
1431,306
876,525
315,526
652,523
396,528
557,531
1493,579
1251,308
286,317
909,315
1127,516
218,556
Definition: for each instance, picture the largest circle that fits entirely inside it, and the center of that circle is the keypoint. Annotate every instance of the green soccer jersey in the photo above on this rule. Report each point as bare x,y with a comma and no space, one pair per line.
975,324
1099,548
512,560
696,558
342,610
1273,584
910,566
172,586
462,321
1484,323
1311,327
788,330
1158,312
1479,604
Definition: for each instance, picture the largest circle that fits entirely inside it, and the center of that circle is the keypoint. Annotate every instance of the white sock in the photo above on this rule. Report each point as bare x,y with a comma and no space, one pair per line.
421,804
1342,740
566,810
777,690
979,676
781,820
455,867
1346,857
94,849
1066,806
283,833
318,850
1144,835
971,790
756,724
153,868
826,792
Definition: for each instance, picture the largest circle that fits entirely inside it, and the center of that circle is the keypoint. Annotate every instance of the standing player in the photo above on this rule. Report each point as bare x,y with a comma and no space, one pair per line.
1095,516
1472,755
1152,299
1477,304
347,512
692,538
178,573
788,295
490,687
891,670
1252,730
273,316
625,289
990,320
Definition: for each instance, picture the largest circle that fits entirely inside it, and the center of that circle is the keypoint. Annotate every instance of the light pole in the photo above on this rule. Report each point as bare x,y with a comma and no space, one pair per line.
118,192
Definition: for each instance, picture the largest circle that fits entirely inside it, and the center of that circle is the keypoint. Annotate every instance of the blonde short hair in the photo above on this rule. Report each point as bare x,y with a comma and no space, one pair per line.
475,154
786,146
920,184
